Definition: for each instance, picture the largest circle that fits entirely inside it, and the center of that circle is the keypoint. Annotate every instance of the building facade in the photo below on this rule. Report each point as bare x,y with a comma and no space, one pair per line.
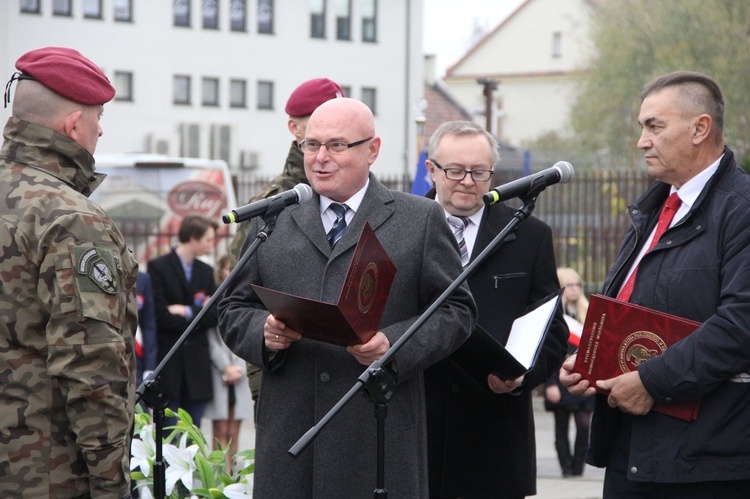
210,78
535,58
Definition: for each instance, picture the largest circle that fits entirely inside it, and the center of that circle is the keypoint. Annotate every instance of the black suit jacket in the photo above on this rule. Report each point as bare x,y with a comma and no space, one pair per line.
482,444
191,365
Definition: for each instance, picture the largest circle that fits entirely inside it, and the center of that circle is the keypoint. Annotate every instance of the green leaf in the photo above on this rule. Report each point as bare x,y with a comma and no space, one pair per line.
247,455
205,471
137,475
248,471
218,457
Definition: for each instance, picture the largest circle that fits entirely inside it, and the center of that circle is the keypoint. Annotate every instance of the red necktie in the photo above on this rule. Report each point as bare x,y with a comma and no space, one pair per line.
665,218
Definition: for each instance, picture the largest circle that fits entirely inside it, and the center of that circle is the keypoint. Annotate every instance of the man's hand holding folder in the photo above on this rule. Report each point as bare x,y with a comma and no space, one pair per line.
482,355
619,336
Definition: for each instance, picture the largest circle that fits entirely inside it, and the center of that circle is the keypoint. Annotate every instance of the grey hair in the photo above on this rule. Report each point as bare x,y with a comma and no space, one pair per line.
696,90
458,129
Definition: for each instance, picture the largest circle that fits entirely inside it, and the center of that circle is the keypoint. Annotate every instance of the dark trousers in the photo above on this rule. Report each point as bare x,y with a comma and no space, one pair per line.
571,460
617,485
195,409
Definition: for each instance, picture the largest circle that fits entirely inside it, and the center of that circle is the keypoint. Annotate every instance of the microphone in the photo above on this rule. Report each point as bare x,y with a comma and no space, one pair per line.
562,172
300,194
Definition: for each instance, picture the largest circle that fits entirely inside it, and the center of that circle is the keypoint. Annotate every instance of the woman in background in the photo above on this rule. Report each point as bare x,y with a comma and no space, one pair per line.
232,399
556,397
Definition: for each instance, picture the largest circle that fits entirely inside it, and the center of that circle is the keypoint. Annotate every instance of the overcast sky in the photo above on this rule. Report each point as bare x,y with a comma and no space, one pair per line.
449,25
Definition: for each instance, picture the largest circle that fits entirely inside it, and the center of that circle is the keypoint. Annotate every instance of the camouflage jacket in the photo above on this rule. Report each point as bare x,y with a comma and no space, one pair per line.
68,315
293,174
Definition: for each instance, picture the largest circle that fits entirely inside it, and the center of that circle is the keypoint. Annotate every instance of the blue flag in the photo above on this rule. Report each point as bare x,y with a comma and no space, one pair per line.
422,182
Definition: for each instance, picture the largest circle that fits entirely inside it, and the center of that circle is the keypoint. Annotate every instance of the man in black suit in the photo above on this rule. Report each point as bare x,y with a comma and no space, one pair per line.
481,436
182,285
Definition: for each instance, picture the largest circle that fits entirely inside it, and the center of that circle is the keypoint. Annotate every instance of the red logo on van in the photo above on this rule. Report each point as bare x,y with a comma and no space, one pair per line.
196,196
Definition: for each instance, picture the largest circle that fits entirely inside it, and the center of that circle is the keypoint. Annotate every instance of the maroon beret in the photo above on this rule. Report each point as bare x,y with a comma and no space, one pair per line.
68,73
309,95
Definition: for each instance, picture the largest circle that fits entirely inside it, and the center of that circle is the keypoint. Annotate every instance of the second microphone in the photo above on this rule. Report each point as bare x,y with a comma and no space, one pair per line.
561,172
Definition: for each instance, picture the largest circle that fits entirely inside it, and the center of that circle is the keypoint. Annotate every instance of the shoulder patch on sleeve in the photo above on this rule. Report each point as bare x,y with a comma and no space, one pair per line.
94,270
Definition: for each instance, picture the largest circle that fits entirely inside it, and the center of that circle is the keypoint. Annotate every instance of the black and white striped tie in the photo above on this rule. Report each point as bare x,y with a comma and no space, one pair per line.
459,224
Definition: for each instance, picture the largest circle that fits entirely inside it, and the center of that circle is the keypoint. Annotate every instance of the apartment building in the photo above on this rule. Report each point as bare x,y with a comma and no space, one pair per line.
210,78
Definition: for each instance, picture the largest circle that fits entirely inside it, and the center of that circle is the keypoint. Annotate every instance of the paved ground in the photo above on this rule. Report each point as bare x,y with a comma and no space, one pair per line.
550,484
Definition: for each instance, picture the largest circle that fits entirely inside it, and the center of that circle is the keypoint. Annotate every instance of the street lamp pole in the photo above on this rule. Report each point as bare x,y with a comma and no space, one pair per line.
490,85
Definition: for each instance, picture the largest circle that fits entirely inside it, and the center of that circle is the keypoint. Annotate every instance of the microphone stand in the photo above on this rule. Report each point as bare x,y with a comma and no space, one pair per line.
377,383
151,392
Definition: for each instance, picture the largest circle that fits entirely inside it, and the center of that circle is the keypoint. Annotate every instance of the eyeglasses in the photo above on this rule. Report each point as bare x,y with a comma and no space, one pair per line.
574,285
460,174
335,146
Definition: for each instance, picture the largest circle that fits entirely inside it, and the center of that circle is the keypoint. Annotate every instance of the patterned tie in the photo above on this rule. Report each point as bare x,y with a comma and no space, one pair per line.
339,226
665,218
459,224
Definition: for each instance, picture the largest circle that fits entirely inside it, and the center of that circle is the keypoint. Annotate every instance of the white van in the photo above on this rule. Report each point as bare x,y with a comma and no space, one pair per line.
147,195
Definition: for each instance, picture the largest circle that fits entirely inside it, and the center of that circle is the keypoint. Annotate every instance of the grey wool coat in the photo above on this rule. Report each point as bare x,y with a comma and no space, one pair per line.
301,384
222,357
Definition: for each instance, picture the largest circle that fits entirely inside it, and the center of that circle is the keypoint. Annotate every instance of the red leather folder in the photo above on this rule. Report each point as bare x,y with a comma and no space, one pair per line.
354,318
618,336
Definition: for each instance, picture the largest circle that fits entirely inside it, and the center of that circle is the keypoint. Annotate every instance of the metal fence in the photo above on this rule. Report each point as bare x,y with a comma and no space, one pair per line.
587,215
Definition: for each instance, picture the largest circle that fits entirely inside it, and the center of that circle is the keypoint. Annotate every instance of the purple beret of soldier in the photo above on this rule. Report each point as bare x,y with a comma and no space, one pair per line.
68,73
310,94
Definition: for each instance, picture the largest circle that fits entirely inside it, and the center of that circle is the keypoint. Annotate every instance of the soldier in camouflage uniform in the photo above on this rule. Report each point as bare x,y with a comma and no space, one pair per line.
68,308
301,104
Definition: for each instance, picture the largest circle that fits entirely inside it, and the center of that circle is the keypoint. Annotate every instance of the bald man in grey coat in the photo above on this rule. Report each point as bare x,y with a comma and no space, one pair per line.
303,379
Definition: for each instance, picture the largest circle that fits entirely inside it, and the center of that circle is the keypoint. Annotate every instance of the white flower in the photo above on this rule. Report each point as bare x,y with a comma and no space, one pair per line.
181,462
238,490
143,450
145,493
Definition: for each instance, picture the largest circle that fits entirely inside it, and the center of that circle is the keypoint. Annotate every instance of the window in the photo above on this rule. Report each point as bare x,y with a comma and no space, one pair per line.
556,44
210,92
220,142
181,12
30,7
190,134
265,16
238,15
347,90
369,97
369,20
123,86
62,8
210,14
343,19
317,18
92,9
124,11
265,95
181,90
238,93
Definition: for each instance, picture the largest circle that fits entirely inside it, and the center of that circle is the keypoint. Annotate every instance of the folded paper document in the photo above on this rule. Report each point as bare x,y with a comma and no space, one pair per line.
482,354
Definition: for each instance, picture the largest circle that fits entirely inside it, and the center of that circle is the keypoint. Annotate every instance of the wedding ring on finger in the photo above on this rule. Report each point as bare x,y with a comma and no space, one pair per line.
277,337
